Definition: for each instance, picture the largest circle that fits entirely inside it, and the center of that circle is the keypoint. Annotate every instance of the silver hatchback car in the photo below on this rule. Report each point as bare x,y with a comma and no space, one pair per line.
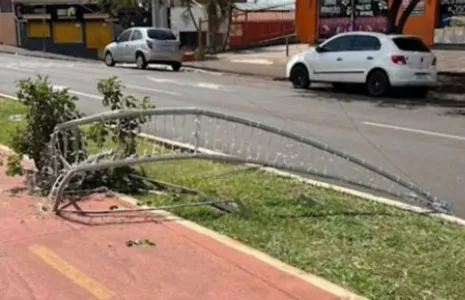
144,45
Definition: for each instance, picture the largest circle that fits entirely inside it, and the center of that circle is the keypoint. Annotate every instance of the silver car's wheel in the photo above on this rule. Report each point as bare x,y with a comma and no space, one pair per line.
140,61
109,60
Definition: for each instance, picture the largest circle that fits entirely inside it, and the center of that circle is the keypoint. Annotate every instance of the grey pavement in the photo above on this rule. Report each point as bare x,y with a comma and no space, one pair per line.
424,140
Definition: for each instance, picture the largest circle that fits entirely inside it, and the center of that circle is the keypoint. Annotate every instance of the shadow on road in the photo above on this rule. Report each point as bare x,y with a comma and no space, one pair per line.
397,99
455,113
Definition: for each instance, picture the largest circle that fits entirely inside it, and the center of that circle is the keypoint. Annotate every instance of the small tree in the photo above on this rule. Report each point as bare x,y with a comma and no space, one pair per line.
218,14
113,7
121,134
397,20
46,108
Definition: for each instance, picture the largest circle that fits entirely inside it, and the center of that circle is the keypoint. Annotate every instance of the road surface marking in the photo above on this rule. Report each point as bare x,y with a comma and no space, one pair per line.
425,132
97,289
161,80
153,90
256,61
203,85
8,96
85,95
209,86
17,69
61,87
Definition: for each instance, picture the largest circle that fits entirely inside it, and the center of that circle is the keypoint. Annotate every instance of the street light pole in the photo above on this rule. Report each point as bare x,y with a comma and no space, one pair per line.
44,26
154,13
160,13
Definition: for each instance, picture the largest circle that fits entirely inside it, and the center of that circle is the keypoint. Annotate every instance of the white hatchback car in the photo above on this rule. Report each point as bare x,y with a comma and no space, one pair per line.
145,45
377,60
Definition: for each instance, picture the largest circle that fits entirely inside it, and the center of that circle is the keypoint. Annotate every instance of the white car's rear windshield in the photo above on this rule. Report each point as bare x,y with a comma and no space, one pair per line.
162,35
410,44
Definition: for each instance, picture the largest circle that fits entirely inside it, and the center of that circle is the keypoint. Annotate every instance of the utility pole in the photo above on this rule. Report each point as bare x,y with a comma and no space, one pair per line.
160,13
44,24
155,10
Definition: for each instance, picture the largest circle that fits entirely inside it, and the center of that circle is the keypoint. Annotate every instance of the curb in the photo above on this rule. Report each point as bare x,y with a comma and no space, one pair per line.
210,69
321,184
451,73
37,55
283,78
336,290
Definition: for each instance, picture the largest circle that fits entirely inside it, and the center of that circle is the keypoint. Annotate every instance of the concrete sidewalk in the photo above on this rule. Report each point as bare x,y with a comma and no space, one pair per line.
43,256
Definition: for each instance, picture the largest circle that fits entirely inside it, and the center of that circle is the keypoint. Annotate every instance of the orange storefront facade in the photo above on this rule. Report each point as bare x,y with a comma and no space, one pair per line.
436,21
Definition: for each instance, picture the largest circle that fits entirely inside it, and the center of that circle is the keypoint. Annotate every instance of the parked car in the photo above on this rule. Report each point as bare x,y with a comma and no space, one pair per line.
377,60
145,45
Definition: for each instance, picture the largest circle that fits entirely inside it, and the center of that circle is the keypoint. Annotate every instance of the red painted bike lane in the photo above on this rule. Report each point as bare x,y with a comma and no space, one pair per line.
43,256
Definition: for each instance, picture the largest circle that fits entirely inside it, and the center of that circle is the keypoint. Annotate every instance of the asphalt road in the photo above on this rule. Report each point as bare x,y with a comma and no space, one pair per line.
425,143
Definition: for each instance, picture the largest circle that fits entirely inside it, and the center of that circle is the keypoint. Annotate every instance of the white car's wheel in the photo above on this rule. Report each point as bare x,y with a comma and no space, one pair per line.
109,61
377,83
299,77
140,61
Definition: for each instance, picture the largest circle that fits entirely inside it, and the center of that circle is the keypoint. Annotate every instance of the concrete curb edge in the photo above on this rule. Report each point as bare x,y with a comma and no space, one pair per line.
269,77
314,280
37,55
321,184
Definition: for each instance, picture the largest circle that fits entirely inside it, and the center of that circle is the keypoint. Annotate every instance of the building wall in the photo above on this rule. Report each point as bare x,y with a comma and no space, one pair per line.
6,6
307,20
8,29
253,27
58,31
181,20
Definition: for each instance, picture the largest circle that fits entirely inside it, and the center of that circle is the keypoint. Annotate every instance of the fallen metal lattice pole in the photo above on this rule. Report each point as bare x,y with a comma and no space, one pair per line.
232,140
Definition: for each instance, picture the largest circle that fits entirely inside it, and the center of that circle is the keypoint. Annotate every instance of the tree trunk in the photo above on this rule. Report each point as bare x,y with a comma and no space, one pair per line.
229,22
392,16
403,18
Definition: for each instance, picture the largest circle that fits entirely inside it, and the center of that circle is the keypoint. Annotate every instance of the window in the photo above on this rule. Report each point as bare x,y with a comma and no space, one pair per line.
343,43
124,37
38,29
137,35
366,43
67,33
162,35
410,44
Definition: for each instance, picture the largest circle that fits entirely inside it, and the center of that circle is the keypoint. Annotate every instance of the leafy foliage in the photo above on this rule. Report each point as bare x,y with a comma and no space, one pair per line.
121,133
46,108
114,7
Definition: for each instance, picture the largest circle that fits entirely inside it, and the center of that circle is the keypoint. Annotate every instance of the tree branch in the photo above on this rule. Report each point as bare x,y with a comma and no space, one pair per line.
407,12
392,15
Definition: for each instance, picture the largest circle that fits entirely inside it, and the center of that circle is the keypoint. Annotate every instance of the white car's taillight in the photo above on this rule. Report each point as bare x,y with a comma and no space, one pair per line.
399,59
